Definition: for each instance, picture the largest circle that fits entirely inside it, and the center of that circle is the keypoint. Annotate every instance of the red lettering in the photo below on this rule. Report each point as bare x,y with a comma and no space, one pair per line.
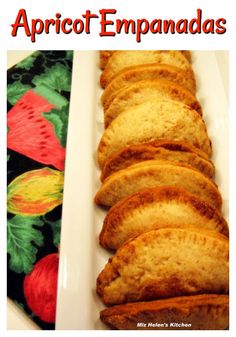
75,26
126,24
140,29
208,26
156,23
220,26
48,23
34,30
88,16
17,24
58,23
196,22
168,25
66,21
182,26
104,22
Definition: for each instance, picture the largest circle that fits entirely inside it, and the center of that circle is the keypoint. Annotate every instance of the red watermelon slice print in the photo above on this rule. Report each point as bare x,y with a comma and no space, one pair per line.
31,134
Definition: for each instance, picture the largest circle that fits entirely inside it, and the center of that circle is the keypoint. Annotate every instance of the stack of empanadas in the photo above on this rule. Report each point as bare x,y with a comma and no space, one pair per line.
164,224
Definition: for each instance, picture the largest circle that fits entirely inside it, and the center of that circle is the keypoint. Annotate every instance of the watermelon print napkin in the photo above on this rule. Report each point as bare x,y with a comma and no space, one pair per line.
38,94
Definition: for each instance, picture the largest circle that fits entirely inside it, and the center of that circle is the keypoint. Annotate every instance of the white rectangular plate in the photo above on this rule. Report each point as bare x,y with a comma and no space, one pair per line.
81,257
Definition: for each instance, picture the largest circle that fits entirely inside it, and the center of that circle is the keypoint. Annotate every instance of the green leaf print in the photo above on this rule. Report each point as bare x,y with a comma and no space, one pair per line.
57,77
28,62
15,91
59,119
56,230
69,55
20,238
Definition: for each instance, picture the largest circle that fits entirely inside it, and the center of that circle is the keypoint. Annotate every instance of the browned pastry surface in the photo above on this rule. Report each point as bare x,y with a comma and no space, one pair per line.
106,54
179,152
155,208
157,173
150,72
151,121
199,312
146,90
126,58
165,263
